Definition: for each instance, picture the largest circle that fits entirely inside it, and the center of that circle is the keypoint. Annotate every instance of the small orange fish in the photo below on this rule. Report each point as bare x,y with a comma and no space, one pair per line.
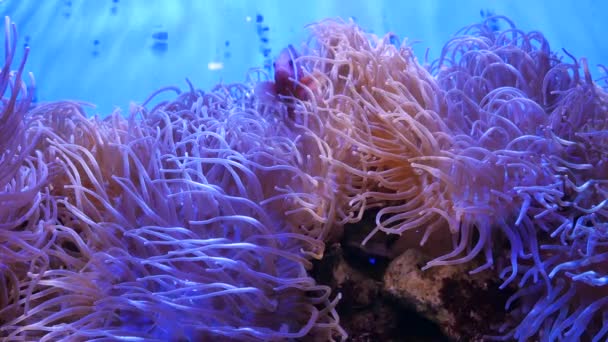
289,79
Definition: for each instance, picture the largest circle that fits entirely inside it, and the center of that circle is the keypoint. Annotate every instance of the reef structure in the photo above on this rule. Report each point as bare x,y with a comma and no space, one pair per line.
199,217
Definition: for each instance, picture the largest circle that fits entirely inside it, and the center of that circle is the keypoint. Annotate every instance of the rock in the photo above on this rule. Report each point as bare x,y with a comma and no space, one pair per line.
366,311
466,307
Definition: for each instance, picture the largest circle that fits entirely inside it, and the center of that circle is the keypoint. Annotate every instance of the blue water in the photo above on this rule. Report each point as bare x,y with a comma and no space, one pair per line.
111,52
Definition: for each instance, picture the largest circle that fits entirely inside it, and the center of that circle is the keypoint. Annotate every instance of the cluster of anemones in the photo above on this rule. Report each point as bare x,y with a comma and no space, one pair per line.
199,217
178,222
498,147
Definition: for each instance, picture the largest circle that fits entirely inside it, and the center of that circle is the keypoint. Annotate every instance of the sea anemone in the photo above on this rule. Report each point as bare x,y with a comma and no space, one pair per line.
498,146
541,122
199,217
161,226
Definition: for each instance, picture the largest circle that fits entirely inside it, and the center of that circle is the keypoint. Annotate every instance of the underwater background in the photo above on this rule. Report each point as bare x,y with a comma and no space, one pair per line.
112,52
181,170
